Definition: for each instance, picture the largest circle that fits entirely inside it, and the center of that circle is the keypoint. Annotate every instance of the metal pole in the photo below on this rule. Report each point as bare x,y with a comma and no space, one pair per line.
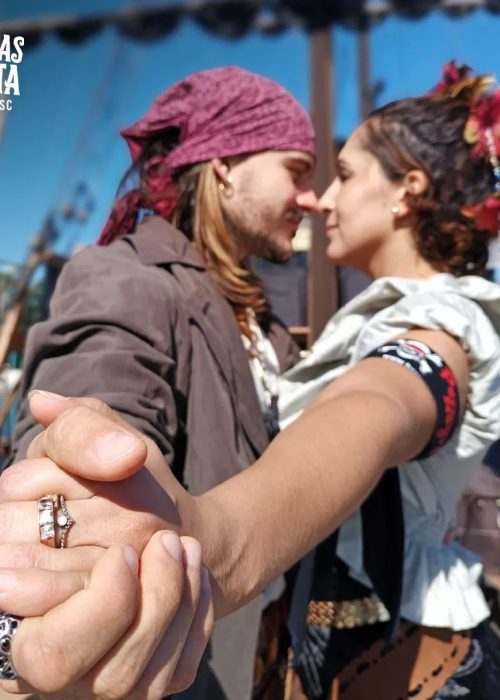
322,282
365,86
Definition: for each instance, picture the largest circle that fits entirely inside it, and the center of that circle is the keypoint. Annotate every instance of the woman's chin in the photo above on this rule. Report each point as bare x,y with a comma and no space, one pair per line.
332,253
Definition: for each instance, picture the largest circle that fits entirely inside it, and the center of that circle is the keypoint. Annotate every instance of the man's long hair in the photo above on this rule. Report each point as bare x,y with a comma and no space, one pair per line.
198,215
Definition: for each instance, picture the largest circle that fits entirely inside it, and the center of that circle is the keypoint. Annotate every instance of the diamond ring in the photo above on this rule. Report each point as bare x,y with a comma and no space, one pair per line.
54,520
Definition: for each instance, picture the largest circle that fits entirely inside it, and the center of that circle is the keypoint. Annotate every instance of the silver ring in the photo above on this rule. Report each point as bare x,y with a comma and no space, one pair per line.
8,628
64,522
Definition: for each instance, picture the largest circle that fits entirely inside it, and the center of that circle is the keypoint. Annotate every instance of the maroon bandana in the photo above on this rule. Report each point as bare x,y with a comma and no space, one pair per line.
219,113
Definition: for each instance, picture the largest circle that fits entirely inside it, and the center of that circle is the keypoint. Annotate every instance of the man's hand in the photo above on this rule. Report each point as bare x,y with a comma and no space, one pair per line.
125,631
98,623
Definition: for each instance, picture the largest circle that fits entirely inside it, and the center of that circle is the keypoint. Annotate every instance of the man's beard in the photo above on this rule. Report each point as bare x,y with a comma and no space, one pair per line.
252,239
262,245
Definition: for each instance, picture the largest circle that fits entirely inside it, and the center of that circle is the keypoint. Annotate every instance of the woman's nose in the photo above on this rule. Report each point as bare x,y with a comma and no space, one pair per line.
327,201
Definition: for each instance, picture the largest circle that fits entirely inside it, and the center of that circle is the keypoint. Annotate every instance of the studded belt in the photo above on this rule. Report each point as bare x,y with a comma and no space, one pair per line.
346,613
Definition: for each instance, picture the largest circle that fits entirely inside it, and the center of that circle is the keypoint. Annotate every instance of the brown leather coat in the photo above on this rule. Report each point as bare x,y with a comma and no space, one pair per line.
140,325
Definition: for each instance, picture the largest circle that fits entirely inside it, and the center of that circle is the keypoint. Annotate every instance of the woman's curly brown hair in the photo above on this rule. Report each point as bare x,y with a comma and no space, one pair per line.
426,133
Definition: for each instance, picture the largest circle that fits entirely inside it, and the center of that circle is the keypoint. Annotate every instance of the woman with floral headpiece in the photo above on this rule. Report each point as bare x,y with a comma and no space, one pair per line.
407,374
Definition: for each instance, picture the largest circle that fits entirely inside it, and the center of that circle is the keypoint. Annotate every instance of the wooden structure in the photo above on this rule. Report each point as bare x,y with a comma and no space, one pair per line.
233,19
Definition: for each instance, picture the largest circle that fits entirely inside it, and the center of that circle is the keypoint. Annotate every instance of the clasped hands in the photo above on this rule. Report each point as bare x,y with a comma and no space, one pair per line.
126,609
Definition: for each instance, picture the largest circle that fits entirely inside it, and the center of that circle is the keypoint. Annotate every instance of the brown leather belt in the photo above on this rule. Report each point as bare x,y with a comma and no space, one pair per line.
418,664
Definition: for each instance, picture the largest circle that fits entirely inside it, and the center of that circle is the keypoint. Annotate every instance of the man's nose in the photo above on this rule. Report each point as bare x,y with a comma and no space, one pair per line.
306,199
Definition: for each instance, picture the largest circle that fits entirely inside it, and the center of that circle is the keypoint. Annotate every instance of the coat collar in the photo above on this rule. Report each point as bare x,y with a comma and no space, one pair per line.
157,242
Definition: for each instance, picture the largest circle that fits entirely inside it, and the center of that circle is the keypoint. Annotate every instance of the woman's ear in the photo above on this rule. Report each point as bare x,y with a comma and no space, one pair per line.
414,182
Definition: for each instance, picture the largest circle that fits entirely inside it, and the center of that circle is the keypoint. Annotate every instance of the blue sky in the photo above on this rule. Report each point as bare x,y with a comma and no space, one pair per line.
74,98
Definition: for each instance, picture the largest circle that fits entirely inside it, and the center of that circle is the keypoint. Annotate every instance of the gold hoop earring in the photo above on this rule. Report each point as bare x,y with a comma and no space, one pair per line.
226,186
395,210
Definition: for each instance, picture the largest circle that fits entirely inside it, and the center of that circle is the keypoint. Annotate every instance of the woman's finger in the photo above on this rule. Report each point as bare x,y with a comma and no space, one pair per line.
134,510
164,592
157,676
30,479
36,555
33,592
19,523
162,667
51,652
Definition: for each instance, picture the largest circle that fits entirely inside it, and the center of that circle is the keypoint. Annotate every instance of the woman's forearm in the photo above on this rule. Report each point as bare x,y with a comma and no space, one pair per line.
258,523
310,479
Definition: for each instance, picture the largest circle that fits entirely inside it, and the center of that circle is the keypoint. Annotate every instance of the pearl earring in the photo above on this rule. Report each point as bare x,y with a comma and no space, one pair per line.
395,210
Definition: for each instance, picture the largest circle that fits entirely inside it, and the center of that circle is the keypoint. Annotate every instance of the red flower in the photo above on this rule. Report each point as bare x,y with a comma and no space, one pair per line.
461,79
482,131
452,74
486,214
485,114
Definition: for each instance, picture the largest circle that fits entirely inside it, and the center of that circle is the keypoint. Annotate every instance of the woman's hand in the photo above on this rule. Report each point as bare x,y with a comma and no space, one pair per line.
128,629
105,514
118,502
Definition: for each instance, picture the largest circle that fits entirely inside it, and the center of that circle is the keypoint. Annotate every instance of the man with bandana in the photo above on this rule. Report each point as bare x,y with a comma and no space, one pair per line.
164,319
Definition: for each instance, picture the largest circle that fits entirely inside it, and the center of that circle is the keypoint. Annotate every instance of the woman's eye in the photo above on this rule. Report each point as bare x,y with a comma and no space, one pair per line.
343,176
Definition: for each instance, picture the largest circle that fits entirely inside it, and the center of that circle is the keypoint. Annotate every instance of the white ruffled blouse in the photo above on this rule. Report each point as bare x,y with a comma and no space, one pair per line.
440,586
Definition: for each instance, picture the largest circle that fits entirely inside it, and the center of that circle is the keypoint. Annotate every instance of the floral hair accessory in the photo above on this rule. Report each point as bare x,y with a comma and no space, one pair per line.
483,128
482,132
486,214
461,79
